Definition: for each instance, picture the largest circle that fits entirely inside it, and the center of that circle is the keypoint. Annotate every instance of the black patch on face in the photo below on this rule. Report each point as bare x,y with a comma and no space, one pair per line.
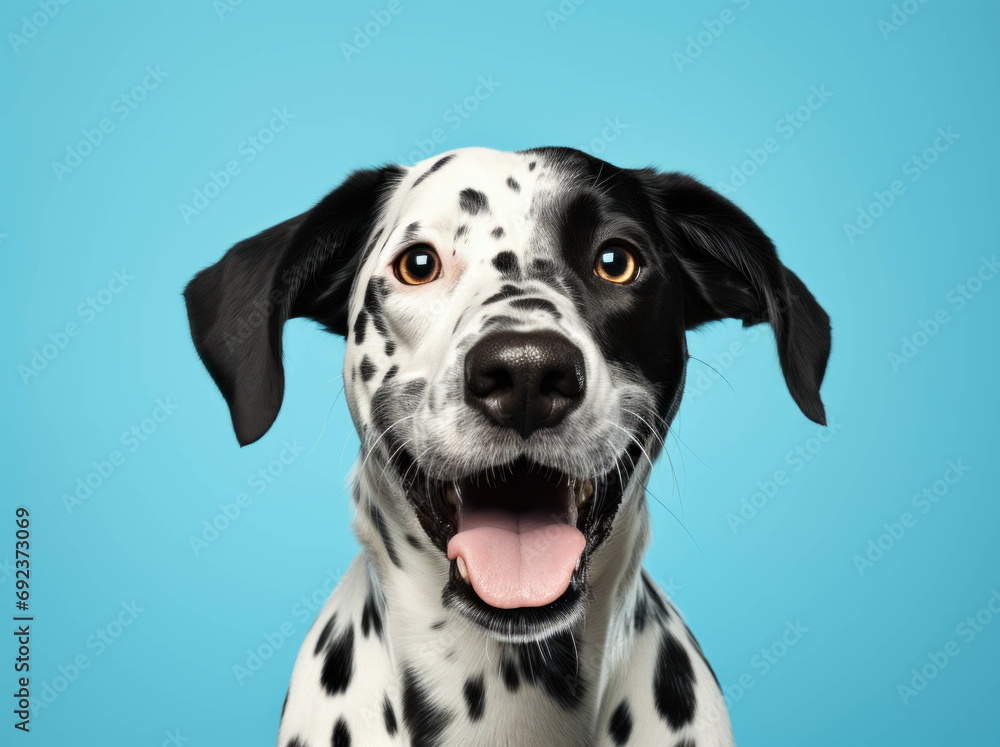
367,369
473,201
296,742
339,665
499,321
512,183
390,717
383,532
374,241
475,697
673,683
620,724
411,232
390,347
414,542
390,373
540,304
374,298
324,635
371,617
341,734
508,265
507,291
508,670
686,743
359,327
531,166
462,230
425,720
497,233
554,666
438,625
437,164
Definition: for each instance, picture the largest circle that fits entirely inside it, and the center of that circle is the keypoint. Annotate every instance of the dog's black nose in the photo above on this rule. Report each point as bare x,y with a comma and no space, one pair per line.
524,380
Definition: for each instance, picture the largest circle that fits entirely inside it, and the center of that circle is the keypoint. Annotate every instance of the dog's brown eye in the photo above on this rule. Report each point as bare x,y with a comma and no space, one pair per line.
616,264
418,265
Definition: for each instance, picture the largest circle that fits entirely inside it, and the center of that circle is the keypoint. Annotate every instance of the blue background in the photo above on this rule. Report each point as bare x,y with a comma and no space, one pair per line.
556,79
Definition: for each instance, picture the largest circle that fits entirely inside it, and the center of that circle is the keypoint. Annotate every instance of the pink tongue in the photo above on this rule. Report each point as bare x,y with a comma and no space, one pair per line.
516,559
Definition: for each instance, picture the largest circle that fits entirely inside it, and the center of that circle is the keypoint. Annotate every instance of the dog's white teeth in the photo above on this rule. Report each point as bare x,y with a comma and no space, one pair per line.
583,492
462,570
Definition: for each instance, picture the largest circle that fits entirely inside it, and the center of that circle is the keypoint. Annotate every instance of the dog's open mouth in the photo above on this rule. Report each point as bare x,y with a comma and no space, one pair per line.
517,542
520,538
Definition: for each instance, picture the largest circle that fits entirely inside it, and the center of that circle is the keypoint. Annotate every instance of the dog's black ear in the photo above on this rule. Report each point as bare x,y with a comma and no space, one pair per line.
303,267
734,272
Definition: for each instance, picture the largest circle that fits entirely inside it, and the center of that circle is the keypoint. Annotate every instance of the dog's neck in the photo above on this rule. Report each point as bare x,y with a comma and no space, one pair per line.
406,575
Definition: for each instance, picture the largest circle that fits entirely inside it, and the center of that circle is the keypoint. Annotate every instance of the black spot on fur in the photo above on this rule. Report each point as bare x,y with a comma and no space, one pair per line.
620,724
649,606
422,717
697,647
554,666
411,232
359,327
473,201
383,532
437,164
390,373
497,233
475,697
324,635
507,291
686,743
390,347
367,369
531,166
508,670
371,617
341,735
507,264
438,625
374,241
414,542
512,183
296,742
339,665
390,717
540,304
673,683
284,706
462,230
374,299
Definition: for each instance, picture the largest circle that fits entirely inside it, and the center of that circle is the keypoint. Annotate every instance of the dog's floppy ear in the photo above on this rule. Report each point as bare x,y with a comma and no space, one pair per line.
734,272
303,267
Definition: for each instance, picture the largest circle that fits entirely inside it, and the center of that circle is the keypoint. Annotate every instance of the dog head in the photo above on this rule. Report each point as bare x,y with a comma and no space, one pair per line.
516,345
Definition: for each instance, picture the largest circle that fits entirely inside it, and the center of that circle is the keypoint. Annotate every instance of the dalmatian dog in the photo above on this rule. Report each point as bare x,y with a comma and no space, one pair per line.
515,328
